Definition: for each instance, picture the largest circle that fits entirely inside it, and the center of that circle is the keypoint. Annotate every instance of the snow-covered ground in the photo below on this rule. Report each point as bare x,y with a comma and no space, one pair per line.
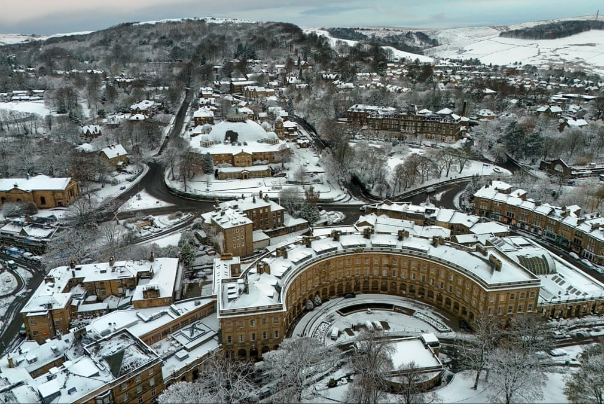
583,49
142,200
32,107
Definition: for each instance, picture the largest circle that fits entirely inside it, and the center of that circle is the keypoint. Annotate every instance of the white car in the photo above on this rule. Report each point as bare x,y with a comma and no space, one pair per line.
574,255
587,263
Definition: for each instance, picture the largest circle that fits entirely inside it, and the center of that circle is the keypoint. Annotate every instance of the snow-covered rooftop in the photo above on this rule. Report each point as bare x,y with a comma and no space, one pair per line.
37,183
267,287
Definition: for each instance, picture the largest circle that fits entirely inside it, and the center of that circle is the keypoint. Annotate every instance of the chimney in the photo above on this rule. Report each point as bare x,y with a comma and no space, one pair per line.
11,361
265,197
307,241
254,199
27,176
111,261
72,264
260,194
463,108
367,232
336,235
402,234
152,256
496,261
436,241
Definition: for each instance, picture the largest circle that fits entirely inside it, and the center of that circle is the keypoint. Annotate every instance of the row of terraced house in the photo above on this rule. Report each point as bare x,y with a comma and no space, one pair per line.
565,226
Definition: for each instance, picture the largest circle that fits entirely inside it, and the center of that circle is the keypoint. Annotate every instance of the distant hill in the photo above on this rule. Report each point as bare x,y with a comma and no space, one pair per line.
554,30
409,41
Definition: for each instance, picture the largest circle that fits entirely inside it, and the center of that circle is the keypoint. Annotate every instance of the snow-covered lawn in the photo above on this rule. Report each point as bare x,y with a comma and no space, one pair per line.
32,107
142,200
171,239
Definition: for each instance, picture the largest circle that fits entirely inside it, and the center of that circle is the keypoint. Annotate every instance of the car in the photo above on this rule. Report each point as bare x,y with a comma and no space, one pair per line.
350,295
497,169
122,187
464,326
559,335
27,255
587,263
574,255
22,330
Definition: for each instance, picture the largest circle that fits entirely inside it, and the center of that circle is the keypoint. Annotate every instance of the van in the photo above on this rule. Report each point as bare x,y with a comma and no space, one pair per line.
378,326
369,326
335,333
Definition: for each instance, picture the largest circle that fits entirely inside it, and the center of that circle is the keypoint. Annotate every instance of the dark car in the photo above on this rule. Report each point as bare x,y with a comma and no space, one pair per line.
464,326
349,295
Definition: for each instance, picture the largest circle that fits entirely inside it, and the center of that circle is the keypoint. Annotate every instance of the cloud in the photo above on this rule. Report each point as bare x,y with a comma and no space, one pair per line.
330,10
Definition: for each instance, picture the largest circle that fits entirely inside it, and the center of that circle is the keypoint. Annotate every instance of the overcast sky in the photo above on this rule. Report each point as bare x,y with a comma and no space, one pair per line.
46,17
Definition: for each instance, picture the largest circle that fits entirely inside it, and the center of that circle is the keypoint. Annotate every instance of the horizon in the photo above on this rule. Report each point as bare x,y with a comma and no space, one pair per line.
36,17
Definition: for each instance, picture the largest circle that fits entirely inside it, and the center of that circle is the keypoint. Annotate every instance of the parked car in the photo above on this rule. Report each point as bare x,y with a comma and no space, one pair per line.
574,255
349,295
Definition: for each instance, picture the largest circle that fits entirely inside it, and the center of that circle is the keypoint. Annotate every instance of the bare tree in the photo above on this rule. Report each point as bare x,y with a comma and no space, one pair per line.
291,200
221,380
515,377
475,352
295,362
371,363
410,389
587,385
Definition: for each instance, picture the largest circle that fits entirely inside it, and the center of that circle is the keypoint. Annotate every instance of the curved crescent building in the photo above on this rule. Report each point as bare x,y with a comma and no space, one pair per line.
258,304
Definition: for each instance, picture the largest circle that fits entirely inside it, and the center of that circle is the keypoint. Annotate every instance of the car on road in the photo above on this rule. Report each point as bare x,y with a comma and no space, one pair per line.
122,187
349,295
574,255
559,335
587,263
496,169
22,330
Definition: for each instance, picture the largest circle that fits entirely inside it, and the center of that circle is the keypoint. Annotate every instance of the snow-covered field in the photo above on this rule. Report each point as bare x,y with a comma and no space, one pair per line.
484,43
32,107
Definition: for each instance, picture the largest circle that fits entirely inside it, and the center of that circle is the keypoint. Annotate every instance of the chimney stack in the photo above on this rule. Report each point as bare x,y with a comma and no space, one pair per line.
111,261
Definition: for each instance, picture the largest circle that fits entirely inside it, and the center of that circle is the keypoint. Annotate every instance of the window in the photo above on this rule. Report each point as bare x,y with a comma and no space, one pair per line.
151,371
532,294
276,333
510,308
35,332
276,320
530,307
153,393
152,381
264,335
125,397
229,340
139,389
264,321
124,386
512,296
522,296
140,400
499,311
138,379
253,336
252,323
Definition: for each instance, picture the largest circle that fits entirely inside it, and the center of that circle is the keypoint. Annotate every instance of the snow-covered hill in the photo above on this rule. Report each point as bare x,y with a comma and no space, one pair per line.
581,51
395,52
584,50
